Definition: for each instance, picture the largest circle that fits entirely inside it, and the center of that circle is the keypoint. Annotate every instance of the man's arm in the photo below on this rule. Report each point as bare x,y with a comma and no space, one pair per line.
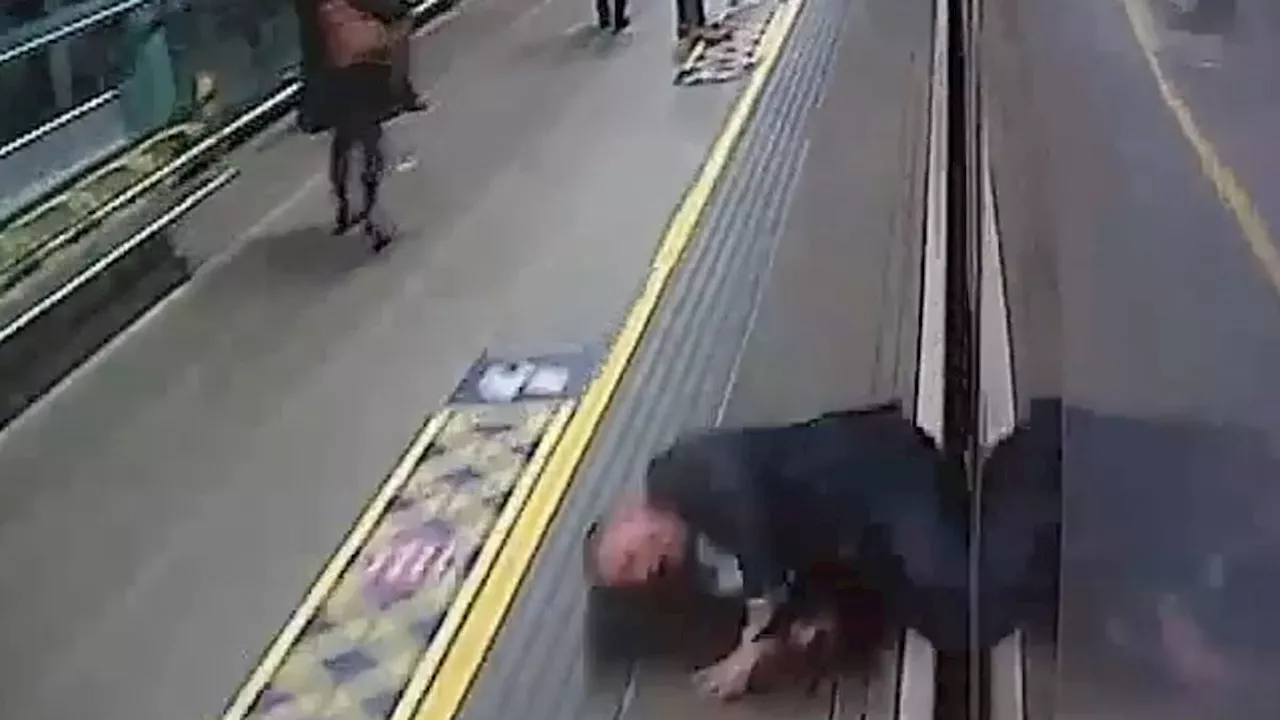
717,490
709,480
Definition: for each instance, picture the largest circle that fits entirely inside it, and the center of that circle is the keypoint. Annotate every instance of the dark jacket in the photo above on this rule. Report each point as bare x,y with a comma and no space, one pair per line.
784,498
322,97
862,488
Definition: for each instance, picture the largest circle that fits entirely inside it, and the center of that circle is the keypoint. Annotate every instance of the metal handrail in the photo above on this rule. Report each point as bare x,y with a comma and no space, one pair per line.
168,172
151,230
71,28
58,122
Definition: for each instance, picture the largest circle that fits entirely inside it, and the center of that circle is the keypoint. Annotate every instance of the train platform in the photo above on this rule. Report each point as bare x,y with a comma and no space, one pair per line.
314,482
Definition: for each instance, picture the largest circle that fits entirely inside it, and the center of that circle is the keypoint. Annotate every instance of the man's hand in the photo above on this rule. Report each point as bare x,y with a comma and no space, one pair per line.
806,634
730,678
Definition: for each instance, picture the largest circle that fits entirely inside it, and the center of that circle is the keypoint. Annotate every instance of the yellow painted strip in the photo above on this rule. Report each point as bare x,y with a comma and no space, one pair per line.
459,667
426,669
1225,182
278,651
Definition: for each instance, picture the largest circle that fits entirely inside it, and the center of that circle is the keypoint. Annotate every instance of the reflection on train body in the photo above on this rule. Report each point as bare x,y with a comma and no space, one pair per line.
1136,158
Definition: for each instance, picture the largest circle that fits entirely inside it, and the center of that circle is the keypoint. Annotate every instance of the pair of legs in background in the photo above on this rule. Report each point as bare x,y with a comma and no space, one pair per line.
692,26
691,20
362,94
613,18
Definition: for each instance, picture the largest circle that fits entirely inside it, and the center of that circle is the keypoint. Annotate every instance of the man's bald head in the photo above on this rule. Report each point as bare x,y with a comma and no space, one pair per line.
637,544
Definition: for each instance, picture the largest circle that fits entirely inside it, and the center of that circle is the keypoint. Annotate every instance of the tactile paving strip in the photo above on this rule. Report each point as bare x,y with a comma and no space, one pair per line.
735,56
360,649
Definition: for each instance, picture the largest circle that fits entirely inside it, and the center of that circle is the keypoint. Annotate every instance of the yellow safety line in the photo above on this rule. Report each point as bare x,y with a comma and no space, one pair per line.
462,662
426,669
356,538
1229,188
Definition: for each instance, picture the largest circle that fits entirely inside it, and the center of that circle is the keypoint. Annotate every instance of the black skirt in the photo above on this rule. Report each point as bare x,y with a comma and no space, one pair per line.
360,95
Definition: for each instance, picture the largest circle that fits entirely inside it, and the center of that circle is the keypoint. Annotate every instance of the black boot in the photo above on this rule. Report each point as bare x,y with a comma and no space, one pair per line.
343,221
380,235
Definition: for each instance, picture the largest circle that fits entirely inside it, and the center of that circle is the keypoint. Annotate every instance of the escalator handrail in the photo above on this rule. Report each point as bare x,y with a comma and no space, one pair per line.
62,120
171,171
64,31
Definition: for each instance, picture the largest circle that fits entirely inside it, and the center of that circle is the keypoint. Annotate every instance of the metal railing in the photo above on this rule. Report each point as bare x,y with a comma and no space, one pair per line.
33,136
168,218
74,27
171,171
275,104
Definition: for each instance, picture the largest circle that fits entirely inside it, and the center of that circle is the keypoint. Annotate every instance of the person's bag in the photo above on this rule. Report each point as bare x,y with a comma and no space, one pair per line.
352,36
398,51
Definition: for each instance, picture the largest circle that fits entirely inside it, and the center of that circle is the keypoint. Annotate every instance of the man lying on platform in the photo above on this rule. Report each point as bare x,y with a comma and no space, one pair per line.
857,490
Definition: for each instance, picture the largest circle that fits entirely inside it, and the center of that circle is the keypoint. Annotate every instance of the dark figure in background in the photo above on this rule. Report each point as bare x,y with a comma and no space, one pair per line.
359,38
852,495
614,19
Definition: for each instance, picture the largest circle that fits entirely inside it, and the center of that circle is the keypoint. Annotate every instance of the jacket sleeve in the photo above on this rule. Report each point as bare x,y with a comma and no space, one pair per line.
763,577
707,479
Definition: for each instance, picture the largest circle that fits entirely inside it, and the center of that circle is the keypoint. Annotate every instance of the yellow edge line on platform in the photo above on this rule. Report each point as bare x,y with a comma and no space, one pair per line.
461,664
1225,182
242,703
426,669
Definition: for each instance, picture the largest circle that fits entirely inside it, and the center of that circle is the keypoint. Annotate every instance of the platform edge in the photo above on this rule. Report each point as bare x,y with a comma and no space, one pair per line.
242,702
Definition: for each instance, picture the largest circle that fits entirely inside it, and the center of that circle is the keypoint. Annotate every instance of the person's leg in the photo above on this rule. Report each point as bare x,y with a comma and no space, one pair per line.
604,18
684,18
371,178
620,18
340,147
688,20
374,164
692,25
709,32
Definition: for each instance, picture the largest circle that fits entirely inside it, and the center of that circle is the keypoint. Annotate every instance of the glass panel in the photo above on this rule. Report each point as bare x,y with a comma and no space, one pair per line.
156,54
26,77
52,79
104,105
244,49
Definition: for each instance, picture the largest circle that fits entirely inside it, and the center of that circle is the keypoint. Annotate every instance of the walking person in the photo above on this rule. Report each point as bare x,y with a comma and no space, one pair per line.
360,95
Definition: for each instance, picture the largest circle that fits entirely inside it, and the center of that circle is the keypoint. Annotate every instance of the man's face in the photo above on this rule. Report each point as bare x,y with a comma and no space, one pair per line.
639,545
